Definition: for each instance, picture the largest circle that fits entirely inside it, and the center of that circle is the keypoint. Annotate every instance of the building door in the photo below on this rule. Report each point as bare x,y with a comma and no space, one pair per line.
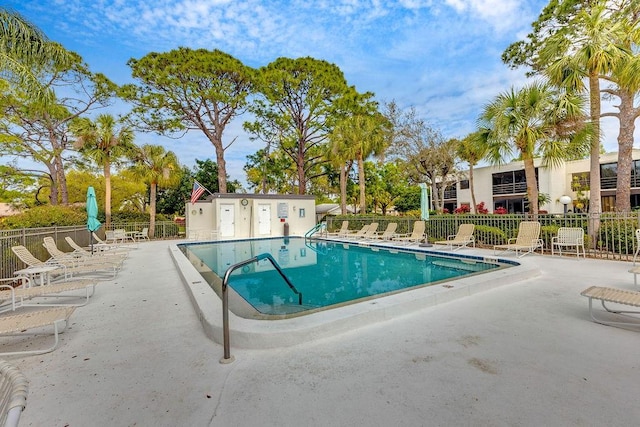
227,220
264,219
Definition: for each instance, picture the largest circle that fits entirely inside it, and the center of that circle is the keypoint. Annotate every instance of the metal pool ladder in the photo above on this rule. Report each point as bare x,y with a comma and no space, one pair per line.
225,297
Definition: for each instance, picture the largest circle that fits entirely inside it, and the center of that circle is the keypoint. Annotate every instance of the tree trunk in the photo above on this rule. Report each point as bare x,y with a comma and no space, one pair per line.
473,194
343,189
152,209
53,193
532,186
595,205
107,194
627,116
363,200
61,180
222,168
435,198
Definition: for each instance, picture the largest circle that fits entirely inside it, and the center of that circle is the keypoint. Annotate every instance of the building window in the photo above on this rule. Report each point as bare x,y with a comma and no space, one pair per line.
513,206
301,212
464,184
608,175
513,182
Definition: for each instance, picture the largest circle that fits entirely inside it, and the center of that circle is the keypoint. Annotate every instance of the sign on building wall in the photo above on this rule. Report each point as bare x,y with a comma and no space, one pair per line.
283,209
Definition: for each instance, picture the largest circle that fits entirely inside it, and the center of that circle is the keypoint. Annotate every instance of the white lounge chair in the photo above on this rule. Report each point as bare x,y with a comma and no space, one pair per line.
144,234
369,233
13,297
415,236
388,232
67,271
112,256
104,245
527,241
70,259
359,233
14,389
615,296
635,254
344,229
462,239
17,324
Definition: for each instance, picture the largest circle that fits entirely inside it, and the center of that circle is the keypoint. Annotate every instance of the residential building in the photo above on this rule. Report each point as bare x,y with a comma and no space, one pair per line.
506,186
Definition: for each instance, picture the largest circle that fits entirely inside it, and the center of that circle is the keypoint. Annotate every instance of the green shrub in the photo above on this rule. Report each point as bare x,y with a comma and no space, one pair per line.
46,216
547,232
487,235
618,236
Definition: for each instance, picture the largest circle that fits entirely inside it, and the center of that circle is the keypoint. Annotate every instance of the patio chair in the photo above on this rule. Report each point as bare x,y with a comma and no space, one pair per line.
342,231
114,256
615,296
69,259
14,389
635,254
66,270
13,297
144,234
359,233
388,233
461,239
104,245
568,237
121,235
415,236
527,241
370,232
17,324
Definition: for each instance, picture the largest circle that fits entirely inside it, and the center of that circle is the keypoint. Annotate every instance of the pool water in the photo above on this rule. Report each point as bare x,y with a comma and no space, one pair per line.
326,273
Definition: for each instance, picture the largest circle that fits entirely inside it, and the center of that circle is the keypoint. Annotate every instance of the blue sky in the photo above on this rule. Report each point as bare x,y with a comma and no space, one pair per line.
440,56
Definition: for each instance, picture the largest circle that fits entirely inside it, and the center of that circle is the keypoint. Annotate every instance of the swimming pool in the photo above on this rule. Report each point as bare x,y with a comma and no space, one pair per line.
324,274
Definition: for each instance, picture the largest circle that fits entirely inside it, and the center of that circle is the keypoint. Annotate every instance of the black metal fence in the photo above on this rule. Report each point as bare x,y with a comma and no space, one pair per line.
607,236
32,239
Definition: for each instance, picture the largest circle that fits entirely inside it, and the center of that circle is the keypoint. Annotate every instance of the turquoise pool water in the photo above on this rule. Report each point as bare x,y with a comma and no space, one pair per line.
325,273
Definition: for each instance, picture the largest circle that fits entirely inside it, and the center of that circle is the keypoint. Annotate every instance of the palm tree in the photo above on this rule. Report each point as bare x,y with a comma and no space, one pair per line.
535,119
158,168
104,144
472,149
356,138
23,47
587,50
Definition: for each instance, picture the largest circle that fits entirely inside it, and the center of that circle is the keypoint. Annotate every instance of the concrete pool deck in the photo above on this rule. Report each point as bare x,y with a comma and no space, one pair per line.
523,354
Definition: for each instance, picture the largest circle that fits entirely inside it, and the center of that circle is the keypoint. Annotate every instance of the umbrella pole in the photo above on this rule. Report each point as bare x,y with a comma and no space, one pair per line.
91,238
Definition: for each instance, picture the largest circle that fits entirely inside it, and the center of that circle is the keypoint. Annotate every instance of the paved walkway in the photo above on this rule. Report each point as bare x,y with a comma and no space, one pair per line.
524,354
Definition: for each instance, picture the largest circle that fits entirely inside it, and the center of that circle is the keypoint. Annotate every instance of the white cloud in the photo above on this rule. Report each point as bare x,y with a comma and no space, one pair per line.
441,56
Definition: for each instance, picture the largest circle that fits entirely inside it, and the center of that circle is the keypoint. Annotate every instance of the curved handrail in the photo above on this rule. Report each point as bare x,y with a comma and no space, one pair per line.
225,297
314,230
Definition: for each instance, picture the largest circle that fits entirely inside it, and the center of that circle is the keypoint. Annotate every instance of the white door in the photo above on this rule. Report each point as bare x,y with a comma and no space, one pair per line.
227,220
264,219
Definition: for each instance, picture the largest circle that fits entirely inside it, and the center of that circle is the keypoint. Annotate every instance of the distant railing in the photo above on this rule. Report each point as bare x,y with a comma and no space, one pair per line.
614,236
32,239
513,188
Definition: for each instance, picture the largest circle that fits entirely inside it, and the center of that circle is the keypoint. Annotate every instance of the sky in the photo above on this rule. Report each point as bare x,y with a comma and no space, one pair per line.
441,57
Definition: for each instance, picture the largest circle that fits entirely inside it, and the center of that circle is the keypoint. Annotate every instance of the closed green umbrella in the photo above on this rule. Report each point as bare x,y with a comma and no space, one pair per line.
424,210
424,202
92,213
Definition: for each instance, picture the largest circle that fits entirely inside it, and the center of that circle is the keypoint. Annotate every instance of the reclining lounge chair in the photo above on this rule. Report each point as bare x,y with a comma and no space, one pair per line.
17,324
461,239
415,236
615,296
14,389
13,297
527,241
